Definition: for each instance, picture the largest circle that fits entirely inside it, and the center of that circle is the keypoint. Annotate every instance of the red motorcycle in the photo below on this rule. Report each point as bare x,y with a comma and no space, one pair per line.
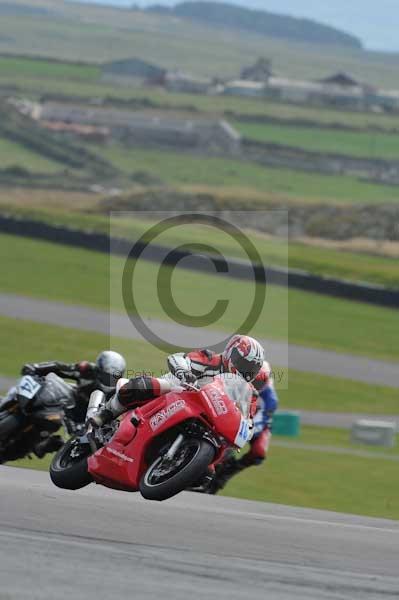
164,447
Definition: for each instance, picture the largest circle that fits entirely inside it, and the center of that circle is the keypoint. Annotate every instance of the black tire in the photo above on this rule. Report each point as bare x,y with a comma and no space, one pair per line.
68,473
200,454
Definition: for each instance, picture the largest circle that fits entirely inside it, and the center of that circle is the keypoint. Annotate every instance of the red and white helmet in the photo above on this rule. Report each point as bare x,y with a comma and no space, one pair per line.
243,355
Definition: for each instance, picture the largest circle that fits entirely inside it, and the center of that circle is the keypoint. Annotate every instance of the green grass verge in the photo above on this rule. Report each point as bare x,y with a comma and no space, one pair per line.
28,341
304,318
337,438
325,481
176,168
317,260
366,144
344,264
309,391
33,463
13,154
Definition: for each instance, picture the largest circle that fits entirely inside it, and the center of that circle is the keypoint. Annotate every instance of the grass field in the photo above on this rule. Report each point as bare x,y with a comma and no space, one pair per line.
312,319
317,260
69,209
32,342
336,438
347,484
62,209
13,154
308,319
42,69
308,391
246,178
366,144
179,169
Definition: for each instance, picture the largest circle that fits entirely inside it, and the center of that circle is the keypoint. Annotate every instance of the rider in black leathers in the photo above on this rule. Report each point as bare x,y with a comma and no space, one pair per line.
101,375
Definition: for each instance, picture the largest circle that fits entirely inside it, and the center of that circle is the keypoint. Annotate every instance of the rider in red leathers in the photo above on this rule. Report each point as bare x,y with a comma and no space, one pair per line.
242,355
266,405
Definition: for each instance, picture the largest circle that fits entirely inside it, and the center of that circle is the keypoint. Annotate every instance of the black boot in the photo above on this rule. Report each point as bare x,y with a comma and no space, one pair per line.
202,486
224,473
50,444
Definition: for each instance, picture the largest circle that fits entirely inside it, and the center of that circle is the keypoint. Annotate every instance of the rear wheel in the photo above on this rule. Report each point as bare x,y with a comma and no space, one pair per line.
165,478
69,469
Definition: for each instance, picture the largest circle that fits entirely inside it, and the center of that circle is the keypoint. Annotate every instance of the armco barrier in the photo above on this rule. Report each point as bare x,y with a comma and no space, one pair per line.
100,242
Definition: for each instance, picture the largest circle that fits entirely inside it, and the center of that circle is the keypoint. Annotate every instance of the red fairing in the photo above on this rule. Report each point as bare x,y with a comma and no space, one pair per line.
121,463
223,411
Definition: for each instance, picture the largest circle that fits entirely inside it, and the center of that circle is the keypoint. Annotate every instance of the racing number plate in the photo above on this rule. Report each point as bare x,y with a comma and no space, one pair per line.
244,434
28,387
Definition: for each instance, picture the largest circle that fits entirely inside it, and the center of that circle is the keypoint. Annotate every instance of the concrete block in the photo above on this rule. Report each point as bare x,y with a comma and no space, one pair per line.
374,433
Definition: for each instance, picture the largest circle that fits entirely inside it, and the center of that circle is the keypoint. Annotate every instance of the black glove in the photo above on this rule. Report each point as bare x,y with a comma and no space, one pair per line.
28,369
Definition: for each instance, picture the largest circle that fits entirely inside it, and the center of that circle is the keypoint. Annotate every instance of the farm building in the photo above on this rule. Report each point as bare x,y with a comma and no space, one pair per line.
338,91
341,79
241,87
155,129
289,90
316,93
132,71
178,82
383,100
261,71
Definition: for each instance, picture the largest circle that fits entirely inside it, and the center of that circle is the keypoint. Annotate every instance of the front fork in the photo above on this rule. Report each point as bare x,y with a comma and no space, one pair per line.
97,399
174,447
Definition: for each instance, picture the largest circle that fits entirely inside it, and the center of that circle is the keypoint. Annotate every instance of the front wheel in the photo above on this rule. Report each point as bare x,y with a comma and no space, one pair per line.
165,478
69,469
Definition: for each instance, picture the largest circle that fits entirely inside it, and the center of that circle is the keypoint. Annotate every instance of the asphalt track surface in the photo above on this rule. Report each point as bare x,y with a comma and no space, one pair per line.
296,357
98,544
7,382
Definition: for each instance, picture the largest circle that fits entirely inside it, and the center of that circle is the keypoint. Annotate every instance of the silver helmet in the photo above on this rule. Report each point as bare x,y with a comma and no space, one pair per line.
111,366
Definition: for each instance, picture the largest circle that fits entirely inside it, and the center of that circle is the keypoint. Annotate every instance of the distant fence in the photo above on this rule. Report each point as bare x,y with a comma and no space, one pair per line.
101,242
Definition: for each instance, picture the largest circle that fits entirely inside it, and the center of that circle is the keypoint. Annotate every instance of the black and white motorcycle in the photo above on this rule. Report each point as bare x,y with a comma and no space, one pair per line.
32,413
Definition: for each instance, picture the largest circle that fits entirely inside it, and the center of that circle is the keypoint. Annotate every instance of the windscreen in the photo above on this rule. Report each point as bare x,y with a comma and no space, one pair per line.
55,391
238,390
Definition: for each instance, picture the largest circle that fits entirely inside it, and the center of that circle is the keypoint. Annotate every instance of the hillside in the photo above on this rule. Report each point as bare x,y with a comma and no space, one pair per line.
260,22
70,31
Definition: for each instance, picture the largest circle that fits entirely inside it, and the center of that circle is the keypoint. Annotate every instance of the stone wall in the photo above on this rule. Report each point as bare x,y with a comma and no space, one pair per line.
335,222
298,159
